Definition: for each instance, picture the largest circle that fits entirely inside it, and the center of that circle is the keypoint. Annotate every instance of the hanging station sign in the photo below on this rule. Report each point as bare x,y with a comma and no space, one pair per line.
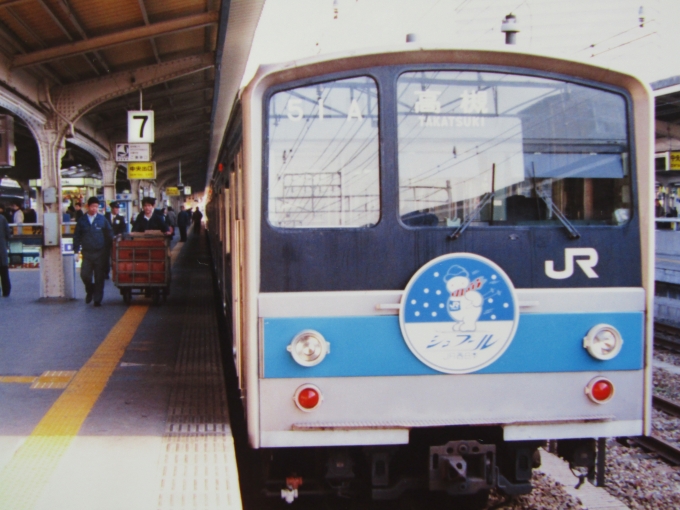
146,170
172,192
187,190
141,126
675,160
133,152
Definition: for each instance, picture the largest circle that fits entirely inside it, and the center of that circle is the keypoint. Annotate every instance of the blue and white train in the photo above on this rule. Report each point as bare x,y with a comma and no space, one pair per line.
433,261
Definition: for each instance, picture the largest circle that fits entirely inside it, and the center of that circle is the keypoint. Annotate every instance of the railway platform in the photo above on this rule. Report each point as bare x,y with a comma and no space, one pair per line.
116,407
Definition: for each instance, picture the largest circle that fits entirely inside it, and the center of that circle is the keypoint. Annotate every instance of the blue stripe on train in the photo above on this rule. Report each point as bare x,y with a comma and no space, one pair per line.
374,346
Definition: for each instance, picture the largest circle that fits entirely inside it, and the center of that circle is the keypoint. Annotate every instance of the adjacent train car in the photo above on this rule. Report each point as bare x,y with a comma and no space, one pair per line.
433,261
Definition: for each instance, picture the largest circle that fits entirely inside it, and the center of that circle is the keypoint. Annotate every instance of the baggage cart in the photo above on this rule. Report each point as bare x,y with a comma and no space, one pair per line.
140,264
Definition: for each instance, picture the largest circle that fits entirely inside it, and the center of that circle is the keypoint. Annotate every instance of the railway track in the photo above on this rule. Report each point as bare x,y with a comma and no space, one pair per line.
666,405
667,336
667,451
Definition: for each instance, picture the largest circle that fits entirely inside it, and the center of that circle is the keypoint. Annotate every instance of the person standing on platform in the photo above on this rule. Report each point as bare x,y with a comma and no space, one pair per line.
78,211
18,215
5,234
171,220
197,217
183,220
30,216
149,218
8,212
119,226
94,234
117,220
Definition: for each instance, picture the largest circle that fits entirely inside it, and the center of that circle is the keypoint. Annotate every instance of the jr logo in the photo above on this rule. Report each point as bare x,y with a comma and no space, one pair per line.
570,254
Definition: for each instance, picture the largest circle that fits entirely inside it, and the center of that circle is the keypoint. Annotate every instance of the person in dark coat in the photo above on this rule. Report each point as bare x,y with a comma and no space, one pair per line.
117,220
183,221
93,233
171,219
119,226
5,234
78,211
149,218
197,217
30,216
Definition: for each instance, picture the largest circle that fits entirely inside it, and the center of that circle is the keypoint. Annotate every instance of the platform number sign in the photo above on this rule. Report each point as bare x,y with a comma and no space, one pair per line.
141,126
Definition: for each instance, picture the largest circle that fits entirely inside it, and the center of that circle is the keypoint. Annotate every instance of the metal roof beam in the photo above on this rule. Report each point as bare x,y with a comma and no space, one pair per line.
55,19
150,97
106,41
7,3
145,16
78,98
11,39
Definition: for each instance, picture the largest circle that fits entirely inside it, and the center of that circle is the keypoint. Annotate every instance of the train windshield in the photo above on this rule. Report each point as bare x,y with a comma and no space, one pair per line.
323,155
510,150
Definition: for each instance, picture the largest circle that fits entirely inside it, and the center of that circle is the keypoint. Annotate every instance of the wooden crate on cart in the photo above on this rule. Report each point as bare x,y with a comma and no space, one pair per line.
140,263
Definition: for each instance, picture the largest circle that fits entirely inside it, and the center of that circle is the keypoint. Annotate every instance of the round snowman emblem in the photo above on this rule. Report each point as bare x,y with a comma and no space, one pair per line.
459,313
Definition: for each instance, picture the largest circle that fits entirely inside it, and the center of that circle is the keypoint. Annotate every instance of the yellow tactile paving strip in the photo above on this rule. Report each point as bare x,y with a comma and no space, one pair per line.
24,477
53,379
50,380
198,464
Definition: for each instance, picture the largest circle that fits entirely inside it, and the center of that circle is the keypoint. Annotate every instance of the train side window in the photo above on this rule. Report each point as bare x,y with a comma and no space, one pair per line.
324,165
536,144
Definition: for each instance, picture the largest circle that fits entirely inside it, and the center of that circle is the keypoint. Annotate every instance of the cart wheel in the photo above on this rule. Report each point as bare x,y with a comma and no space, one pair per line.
156,296
127,295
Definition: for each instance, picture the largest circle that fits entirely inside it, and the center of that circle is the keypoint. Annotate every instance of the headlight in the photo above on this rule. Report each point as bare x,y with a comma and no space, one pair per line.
309,348
603,342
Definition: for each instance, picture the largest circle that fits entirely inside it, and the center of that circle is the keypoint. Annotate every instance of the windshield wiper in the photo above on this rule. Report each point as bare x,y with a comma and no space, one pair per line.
486,198
573,233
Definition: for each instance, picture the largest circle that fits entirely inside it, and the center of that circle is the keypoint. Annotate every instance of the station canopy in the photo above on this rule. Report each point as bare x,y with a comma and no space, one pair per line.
70,41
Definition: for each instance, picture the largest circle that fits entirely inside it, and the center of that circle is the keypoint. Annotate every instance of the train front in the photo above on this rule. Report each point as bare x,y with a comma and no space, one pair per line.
454,266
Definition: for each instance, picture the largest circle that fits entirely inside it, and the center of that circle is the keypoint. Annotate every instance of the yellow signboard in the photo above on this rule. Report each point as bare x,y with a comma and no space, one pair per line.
142,170
675,161
172,192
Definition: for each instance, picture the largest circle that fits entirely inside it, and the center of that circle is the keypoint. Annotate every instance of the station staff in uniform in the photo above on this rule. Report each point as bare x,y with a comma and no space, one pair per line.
93,233
149,218
119,226
117,220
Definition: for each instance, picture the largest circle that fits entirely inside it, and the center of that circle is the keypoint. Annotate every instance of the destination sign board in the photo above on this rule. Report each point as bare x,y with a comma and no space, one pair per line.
146,170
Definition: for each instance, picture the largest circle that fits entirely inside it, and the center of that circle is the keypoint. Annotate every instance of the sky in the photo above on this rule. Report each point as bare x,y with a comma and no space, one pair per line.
607,33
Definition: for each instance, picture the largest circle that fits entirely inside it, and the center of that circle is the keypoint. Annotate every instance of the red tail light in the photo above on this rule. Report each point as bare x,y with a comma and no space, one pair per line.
307,397
600,390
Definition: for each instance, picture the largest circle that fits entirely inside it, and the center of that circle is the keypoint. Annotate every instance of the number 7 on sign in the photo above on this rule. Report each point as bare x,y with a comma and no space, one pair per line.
141,126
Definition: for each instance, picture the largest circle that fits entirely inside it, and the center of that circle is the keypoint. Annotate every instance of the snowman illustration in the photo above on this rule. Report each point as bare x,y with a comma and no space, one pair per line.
465,303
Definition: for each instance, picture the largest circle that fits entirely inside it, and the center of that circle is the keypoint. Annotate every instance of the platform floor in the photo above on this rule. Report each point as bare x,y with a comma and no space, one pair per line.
115,407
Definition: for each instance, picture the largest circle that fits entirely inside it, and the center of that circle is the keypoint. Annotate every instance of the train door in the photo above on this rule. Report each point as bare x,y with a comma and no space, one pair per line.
237,262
